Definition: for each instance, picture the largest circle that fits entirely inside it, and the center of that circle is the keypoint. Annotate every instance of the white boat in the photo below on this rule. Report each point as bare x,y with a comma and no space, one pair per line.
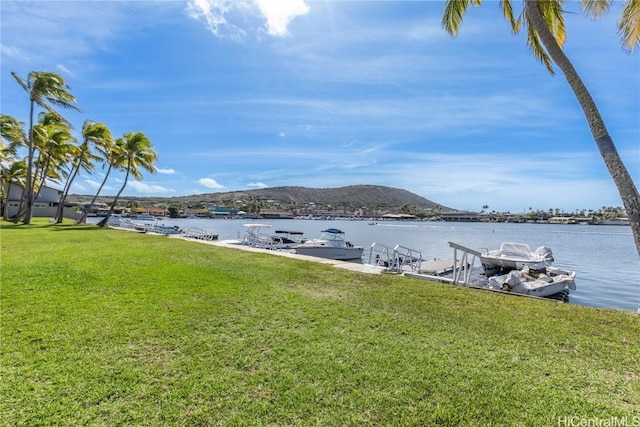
539,283
145,216
286,239
255,238
331,244
515,256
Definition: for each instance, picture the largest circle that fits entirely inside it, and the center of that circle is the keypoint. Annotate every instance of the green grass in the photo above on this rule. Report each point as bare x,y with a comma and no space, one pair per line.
108,327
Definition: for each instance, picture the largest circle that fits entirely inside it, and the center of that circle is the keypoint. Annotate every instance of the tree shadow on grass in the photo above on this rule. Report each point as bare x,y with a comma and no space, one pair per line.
8,225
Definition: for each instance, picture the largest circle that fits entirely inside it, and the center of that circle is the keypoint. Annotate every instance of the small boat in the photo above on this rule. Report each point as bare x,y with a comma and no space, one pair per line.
515,256
331,244
285,239
539,283
145,216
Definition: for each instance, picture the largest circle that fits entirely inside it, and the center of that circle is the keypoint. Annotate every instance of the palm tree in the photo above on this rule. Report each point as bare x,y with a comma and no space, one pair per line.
13,173
545,28
46,90
94,133
11,168
111,154
137,152
55,146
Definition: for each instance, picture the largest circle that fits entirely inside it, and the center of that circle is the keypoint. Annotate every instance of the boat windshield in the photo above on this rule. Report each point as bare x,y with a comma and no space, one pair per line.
331,236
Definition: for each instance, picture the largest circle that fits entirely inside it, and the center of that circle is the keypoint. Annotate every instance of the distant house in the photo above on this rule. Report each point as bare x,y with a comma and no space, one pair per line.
46,205
276,214
220,212
400,217
562,220
157,212
459,216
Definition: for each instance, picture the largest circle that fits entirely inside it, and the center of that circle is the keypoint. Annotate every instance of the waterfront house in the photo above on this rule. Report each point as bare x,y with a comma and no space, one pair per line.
46,205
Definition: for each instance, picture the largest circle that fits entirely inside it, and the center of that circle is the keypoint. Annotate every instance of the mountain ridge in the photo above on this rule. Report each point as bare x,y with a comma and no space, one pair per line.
352,197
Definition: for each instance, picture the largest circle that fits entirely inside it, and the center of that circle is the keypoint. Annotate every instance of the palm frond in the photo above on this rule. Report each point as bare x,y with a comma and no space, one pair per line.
507,11
49,88
629,25
553,14
12,131
536,47
595,8
454,10
21,82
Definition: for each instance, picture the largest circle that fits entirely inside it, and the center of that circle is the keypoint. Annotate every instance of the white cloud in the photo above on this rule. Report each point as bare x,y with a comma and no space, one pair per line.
12,51
166,171
220,15
279,14
64,69
210,183
257,185
141,187
214,13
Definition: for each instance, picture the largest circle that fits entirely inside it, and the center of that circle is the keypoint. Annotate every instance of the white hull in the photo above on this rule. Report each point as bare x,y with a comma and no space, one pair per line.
543,290
552,281
515,256
330,252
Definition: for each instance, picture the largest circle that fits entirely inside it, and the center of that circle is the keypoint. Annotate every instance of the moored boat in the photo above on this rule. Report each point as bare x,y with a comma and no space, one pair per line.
515,256
539,283
285,239
145,216
331,244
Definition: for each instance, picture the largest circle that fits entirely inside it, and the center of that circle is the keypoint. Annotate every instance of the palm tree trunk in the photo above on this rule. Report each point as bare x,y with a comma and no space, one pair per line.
27,196
104,181
65,191
113,205
617,170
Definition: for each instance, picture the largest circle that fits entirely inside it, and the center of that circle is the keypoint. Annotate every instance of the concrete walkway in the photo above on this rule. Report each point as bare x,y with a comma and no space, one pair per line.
346,265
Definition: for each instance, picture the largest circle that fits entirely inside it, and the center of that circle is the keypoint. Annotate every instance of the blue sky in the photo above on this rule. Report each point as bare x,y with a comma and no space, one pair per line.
239,95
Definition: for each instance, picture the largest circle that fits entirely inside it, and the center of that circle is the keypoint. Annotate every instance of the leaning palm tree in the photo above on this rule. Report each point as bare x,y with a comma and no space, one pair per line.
55,146
46,90
137,152
544,23
111,152
96,134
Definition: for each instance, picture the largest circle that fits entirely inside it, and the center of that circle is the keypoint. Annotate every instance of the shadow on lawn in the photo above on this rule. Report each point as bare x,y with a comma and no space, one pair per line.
9,225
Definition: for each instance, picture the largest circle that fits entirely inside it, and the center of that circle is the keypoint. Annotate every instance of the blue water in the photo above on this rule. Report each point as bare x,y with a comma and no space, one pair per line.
604,258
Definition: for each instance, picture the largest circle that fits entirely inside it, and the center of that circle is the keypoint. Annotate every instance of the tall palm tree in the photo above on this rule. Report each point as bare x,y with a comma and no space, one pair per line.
96,134
46,90
137,152
111,152
544,23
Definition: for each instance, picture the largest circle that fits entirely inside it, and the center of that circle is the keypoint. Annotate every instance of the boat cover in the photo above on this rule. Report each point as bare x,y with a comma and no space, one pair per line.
332,231
522,251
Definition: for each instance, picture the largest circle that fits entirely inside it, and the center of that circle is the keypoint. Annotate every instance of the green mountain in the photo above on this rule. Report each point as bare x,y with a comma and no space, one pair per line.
352,197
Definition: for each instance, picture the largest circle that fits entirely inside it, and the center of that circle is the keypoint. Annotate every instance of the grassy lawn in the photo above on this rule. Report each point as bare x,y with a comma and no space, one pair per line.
109,327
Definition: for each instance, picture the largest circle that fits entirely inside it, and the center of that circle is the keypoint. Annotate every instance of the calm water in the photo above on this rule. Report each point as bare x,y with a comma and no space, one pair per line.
604,258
